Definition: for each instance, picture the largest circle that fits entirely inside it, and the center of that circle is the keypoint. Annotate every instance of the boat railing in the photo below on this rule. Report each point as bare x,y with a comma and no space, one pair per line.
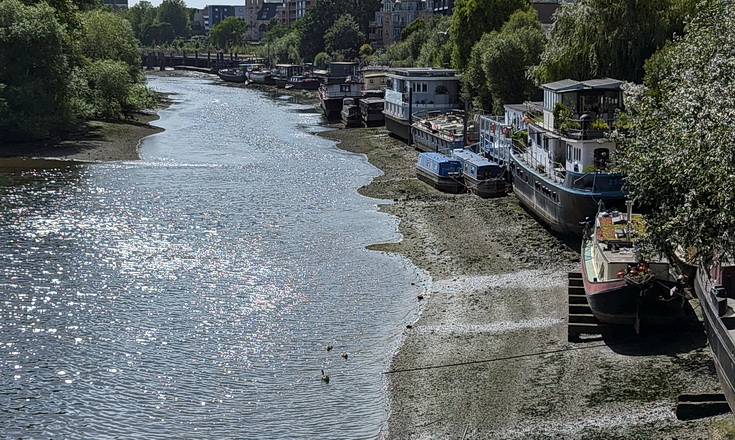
556,173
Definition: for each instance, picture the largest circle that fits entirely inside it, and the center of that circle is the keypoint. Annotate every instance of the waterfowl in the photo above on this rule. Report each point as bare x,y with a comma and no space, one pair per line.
343,354
325,377
329,347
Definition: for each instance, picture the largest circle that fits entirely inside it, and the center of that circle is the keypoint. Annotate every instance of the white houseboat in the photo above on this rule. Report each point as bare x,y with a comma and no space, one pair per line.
410,90
333,91
564,170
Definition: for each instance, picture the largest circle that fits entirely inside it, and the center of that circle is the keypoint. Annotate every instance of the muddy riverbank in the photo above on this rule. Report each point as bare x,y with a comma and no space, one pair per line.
489,355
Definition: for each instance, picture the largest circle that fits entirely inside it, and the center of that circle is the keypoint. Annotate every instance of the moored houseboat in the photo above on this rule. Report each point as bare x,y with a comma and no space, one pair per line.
714,284
440,171
303,82
411,90
438,130
620,286
236,75
333,91
479,175
565,168
371,111
262,76
283,72
350,113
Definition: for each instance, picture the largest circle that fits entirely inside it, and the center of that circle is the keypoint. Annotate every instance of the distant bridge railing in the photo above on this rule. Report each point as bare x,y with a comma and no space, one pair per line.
156,59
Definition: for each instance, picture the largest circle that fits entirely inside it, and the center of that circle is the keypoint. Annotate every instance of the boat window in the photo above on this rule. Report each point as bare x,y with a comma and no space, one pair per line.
569,153
344,87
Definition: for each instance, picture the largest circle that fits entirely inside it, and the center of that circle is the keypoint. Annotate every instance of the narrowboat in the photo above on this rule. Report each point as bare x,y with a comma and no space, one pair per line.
714,284
564,168
440,171
350,113
621,287
283,72
480,176
439,130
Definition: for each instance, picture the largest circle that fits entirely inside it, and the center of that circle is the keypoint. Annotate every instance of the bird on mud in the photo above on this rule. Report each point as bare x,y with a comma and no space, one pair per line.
325,377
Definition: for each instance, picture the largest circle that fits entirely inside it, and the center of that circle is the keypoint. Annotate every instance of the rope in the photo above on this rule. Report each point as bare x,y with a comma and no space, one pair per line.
505,358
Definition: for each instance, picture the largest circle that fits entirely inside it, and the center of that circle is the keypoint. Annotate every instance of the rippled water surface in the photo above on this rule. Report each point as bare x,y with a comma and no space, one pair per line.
191,294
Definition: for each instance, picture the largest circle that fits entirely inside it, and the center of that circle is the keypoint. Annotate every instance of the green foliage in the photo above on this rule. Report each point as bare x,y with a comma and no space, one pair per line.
366,50
141,16
159,33
34,71
679,158
228,32
417,25
53,74
175,13
107,35
599,124
344,37
321,60
285,49
607,38
496,72
473,18
436,51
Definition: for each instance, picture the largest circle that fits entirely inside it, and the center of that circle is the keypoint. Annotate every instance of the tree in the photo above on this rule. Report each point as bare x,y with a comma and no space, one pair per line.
473,18
417,25
35,72
496,74
344,37
608,38
679,157
228,32
113,72
158,33
437,48
314,25
175,13
285,49
141,16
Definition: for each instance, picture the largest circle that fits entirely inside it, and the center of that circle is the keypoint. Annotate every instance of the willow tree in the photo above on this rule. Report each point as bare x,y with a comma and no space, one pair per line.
680,157
608,38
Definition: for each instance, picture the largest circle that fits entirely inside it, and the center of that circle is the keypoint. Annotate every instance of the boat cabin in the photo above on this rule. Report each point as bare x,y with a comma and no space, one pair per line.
475,166
567,140
439,164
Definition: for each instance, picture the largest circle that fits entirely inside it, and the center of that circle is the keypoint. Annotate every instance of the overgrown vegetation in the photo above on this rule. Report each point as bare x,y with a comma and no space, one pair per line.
62,66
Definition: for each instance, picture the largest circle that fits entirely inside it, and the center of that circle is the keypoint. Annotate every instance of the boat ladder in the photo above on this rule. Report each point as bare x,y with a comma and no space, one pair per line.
580,319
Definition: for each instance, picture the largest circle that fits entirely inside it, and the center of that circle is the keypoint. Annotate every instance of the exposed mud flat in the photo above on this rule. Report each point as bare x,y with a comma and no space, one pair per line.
489,355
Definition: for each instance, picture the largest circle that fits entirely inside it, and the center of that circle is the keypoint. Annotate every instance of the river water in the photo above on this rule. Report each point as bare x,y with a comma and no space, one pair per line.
191,294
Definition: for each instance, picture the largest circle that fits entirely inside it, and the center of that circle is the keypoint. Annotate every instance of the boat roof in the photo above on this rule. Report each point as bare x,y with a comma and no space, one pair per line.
437,157
570,85
611,226
473,158
424,72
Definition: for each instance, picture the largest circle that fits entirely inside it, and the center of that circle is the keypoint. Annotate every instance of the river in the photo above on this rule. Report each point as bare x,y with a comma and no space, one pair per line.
192,293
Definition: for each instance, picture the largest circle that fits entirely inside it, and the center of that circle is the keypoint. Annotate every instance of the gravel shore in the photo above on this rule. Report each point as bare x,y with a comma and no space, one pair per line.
489,356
